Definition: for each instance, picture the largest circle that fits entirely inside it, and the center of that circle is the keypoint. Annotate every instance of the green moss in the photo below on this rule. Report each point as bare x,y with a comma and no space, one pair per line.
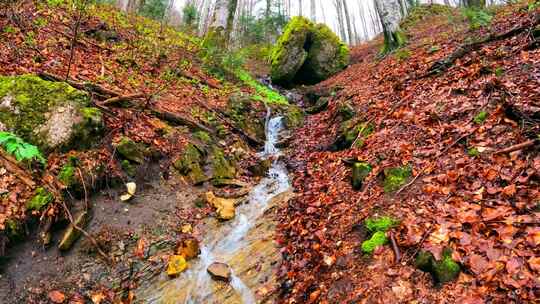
473,152
480,117
403,54
130,150
294,117
443,271
395,178
128,167
382,224
14,230
67,175
360,170
41,198
27,99
377,239
190,163
203,136
393,41
264,93
222,168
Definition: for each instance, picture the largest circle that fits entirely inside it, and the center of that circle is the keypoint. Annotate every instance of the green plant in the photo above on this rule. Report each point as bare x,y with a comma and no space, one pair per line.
20,149
434,49
499,71
473,152
190,15
377,239
480,117
8,29
477,17
154,9
396,177
382,223
41,198
403,54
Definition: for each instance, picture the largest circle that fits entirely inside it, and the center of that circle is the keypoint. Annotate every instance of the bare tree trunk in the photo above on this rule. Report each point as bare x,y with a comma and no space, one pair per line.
389,12
341,26
348,19
313,11
300,8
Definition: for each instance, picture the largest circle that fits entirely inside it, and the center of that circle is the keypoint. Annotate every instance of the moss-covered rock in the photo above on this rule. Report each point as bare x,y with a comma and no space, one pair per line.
290,52
130,150
307,53
50,115
382,223
294,117
221,166
345,111
395,178
190,164
15,230
41,198
377,239
444,270
349,133
360,170
319,106
241,109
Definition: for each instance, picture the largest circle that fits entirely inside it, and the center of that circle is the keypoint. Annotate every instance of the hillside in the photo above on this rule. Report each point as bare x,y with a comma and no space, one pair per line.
463,183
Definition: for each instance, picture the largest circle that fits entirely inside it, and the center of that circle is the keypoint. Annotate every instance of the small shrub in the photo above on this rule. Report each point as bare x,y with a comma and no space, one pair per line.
17,147
477,17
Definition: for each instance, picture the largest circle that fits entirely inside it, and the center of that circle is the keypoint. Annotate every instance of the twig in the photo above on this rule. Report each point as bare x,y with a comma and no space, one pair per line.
119,99
395,247
419,246
517,147
84,189
86,234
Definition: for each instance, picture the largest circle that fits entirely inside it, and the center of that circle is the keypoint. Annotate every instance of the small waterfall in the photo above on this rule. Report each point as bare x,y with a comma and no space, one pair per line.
222,245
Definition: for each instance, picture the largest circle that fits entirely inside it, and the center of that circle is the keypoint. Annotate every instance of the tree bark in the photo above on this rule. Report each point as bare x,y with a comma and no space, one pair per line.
389,12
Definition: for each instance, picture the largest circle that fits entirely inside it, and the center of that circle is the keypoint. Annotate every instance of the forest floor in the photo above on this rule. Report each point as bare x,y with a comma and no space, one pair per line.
445,128
462,193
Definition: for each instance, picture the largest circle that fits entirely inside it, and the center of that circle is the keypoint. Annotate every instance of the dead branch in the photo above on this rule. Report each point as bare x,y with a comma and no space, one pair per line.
180,120
118,99
518,147
85,86
74,40
11,165
446,63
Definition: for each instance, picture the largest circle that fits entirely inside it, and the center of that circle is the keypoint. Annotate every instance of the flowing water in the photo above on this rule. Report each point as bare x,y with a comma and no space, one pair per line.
225,243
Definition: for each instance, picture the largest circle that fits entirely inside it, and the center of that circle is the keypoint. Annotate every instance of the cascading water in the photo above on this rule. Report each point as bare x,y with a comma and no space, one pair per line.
195,285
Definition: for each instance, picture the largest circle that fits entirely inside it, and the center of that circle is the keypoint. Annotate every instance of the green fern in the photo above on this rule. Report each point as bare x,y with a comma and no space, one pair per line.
22,150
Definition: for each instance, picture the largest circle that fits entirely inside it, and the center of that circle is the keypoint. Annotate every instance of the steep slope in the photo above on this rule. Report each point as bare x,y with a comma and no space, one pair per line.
445,134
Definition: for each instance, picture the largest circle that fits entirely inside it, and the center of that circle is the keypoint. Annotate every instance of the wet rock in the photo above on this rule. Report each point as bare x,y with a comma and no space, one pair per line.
190,164
319,106
130,150
225,208
260,168
50,115
307,53
294,117
189,249
219,271
222,167
72,234
245,115
177,265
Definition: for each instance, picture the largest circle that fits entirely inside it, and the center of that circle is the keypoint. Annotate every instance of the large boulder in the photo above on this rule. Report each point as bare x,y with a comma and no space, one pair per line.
51,115
307,53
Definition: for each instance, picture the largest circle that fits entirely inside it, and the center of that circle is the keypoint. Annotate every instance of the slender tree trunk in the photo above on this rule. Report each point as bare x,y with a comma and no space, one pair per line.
348,19
341,26
313,11
389,12
300,8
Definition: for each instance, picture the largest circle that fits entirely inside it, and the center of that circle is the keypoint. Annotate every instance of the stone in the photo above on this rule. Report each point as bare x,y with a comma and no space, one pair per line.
443,271
221,166
189,249
71,234
177,264
50,115
225,208
219,271
130,150
190,164
319,106
307,53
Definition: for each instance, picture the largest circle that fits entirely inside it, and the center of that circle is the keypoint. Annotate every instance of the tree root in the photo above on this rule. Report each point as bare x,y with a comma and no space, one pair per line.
518,147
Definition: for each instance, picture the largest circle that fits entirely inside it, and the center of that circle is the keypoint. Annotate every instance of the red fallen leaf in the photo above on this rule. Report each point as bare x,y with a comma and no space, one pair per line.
57,296
478,263
509,190
513,265
139,251
314,296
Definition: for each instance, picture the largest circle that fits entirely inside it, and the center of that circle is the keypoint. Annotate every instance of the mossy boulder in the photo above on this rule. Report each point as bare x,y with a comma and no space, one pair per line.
131,150
444,270
307,53
319,106
50,115
190,164
350,131
360,170
221,166
242,110
294,117
377,226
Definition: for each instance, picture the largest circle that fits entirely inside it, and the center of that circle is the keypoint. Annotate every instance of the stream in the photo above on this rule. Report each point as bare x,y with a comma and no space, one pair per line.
236,243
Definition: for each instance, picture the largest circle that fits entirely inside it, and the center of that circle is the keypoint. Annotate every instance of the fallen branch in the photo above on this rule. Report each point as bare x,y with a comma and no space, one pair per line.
446,63
85,86
518,147
180,120
118,99
11,165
